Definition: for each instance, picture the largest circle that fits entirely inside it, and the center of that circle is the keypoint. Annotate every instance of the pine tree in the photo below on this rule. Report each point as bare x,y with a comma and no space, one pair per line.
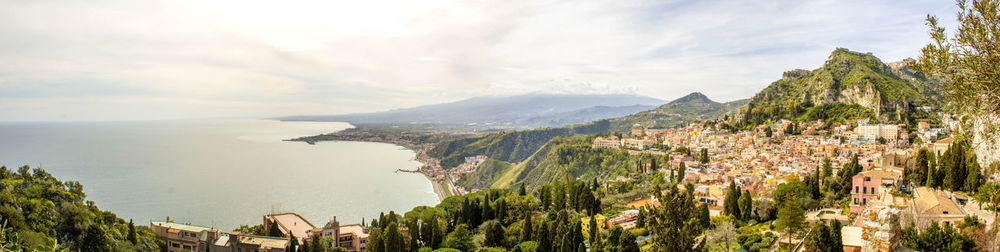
790,218
460,239
680,172
522,191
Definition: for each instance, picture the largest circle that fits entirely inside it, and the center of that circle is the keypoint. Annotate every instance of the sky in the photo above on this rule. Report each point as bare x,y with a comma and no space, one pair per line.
188,59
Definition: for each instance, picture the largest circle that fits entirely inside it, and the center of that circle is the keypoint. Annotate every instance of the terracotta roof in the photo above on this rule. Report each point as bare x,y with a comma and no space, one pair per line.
930,201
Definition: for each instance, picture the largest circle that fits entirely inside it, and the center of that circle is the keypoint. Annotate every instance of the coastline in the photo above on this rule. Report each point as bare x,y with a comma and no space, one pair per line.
430,167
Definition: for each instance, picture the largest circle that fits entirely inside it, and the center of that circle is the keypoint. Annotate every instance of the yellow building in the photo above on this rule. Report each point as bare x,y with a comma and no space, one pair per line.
600,219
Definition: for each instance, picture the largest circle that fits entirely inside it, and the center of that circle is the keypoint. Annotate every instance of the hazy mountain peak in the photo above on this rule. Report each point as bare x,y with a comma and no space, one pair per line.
693,97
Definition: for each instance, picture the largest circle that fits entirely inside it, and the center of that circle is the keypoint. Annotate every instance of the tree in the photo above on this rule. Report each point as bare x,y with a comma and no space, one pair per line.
131,232
819,238
679,175
989,195
969,59
460,239
704,156
526,230
494,234
293,243
746,206
731,206
723,233
835,238
704,216
95,240
674,224
919,175
791,218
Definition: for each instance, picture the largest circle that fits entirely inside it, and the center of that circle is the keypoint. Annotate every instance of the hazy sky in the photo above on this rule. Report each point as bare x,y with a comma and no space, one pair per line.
125,60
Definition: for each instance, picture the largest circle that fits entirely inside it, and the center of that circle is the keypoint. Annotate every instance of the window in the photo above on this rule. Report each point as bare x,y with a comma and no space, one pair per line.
855,201
867,179
856,189
864,201
945,212
175,245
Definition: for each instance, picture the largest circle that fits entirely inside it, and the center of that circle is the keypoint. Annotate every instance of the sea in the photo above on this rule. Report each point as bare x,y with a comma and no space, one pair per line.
220,173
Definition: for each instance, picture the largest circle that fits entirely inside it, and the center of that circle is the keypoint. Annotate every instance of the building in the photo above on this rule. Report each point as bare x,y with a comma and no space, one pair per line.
940,146
850,237
931,205
872,132
598,218
626,219
289,224
178,236
233,242
352,237
609,142
868,186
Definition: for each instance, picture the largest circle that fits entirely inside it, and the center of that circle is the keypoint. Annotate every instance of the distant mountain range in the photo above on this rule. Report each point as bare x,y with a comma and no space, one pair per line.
525,111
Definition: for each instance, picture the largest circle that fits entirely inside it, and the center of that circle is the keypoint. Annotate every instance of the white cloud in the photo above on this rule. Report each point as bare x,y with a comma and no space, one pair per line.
82,60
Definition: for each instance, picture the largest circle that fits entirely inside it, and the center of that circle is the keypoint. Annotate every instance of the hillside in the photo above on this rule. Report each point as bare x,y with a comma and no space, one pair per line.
692,107
522,111
509,146
516,146
585,115
848,81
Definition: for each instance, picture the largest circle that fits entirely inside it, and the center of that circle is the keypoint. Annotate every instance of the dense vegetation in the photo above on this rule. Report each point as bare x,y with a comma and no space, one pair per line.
846,77
555,220
39,212
955,170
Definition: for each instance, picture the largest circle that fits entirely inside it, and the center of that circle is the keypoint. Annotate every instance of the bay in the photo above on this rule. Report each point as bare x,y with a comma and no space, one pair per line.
220,173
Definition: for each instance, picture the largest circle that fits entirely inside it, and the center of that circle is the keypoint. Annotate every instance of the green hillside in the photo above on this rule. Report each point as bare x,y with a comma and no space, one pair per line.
509,146
846,77
563,158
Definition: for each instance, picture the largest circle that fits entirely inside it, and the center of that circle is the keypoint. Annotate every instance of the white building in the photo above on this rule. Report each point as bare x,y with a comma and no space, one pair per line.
876,131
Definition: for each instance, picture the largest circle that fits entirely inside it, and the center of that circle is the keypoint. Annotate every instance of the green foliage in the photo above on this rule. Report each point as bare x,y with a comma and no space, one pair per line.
48,214
968,59
460,239
837,113
791,218
937,238
796,95
251,230
675,224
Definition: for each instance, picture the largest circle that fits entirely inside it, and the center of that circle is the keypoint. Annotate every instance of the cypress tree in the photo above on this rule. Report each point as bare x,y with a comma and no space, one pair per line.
131,232
836,242
526,231
746,206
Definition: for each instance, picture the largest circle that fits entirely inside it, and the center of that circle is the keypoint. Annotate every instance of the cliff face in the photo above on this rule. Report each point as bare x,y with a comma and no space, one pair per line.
846,78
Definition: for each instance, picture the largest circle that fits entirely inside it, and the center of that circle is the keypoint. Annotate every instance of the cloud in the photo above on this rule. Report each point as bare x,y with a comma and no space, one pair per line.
74,60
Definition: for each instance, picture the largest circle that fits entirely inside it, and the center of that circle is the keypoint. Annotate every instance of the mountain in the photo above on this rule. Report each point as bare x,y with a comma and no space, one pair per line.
849,85
584,115
518,110
692,107
517,145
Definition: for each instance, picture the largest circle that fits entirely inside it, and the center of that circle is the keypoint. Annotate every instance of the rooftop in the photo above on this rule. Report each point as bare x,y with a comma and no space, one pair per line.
293,223
178,226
